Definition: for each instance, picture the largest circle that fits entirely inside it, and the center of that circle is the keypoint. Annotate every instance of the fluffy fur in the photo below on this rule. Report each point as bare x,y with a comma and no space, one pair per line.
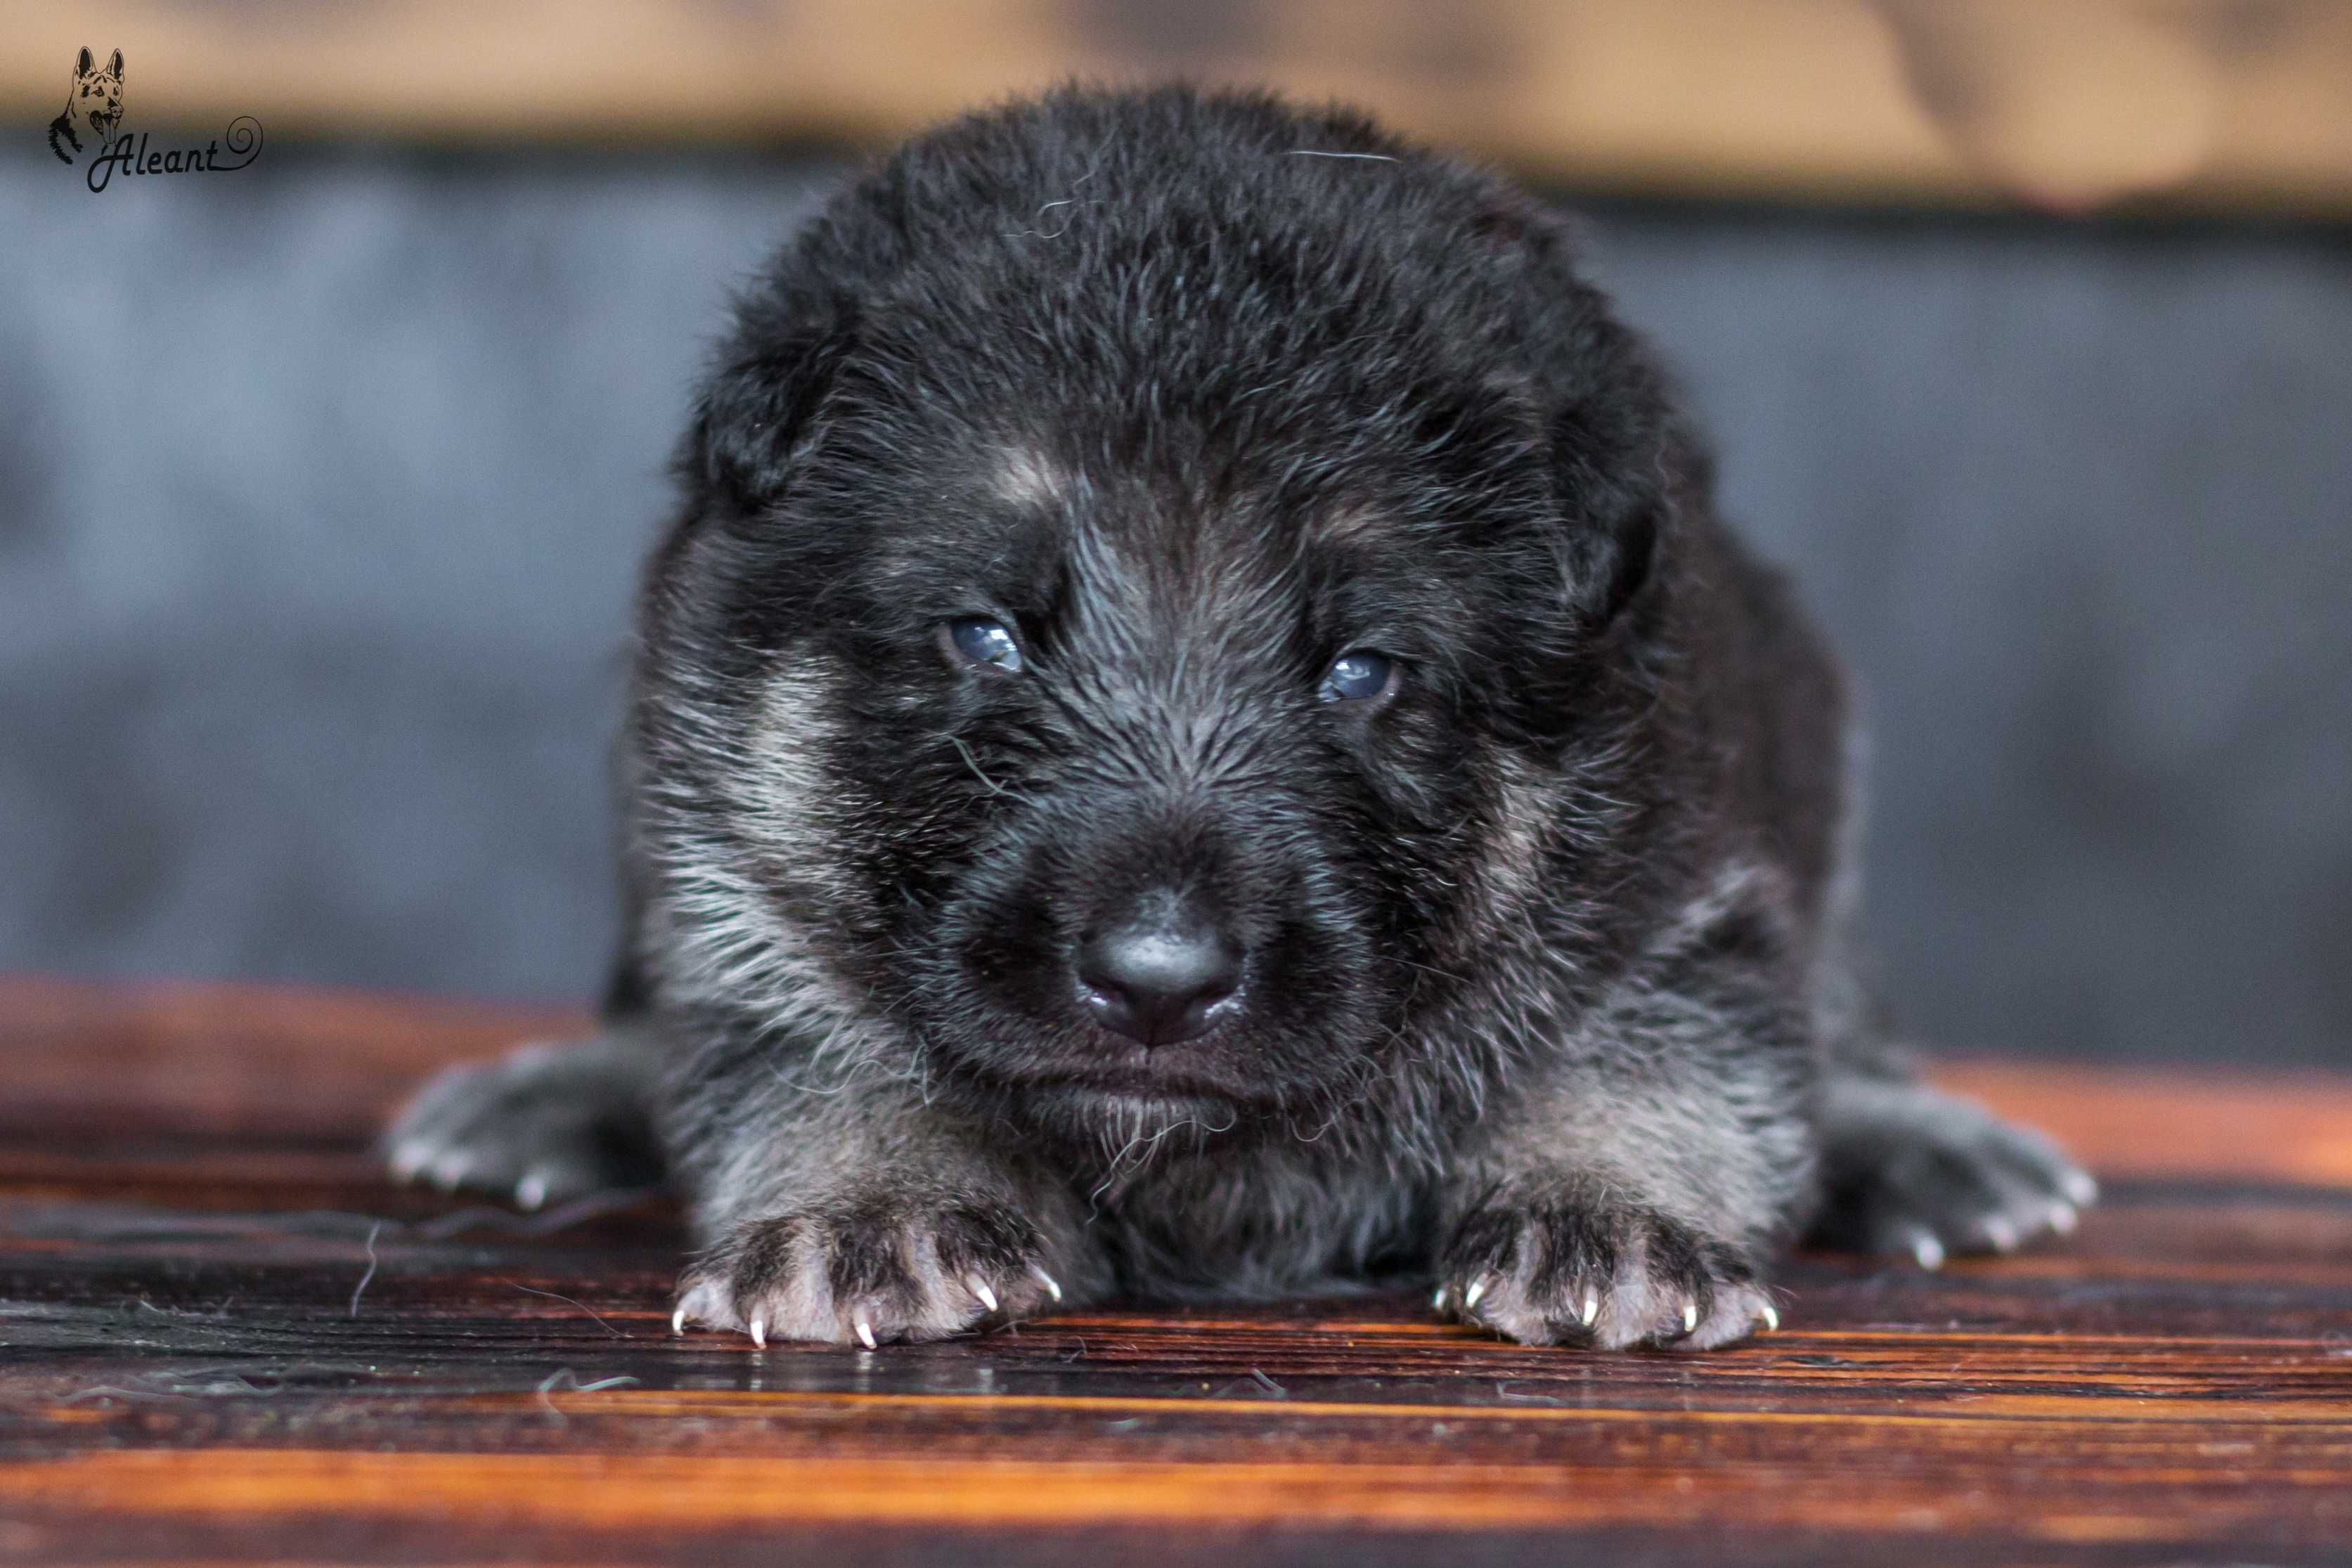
1547,994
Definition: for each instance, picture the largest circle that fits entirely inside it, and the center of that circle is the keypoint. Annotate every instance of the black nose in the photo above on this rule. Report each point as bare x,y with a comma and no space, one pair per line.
1158,982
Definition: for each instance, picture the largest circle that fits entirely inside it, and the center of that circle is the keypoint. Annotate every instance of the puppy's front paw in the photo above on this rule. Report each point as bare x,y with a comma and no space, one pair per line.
871,1270
1584,1266
1912,1171
542,1124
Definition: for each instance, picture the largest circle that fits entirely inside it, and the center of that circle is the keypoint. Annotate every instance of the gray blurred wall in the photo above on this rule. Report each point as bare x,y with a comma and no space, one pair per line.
322,483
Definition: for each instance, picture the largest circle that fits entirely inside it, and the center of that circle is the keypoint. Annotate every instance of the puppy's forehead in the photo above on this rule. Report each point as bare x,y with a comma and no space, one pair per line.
1127,557
1106,530
1024,479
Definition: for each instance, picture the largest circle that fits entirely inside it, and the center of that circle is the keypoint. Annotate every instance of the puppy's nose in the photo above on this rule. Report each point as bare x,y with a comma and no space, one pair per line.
1158,982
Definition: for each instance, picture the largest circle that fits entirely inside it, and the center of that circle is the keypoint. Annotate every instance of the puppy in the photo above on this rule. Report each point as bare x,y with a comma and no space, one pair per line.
1196,732
93,106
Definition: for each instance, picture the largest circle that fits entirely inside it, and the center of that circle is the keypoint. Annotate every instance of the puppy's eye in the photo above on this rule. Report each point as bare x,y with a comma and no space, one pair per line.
1357,676
987,644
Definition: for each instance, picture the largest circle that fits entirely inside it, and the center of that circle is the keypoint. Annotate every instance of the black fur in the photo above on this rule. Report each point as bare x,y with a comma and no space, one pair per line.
1547,990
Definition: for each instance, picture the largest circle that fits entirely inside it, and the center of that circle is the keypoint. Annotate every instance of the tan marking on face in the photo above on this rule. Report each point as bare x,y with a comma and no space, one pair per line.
1348,524
1514,855
1027,478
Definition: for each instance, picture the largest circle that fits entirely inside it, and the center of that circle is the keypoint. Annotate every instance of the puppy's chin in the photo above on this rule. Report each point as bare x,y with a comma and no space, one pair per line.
1114,1117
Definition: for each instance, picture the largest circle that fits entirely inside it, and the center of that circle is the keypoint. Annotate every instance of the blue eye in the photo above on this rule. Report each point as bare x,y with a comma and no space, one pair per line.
1356,676
988,643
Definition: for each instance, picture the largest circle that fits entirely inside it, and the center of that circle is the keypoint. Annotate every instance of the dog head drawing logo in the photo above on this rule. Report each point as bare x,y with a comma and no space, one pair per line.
93,108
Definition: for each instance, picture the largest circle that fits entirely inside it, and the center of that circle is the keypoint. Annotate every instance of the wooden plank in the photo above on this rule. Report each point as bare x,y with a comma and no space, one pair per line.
281,1066
218,1343
2203,104
2178,1121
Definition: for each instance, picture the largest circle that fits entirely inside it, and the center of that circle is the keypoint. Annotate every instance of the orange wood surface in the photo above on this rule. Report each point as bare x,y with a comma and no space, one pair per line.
224,1337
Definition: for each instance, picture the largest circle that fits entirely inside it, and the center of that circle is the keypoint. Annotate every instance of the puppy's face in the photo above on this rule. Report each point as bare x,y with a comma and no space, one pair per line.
1144,667
1145,773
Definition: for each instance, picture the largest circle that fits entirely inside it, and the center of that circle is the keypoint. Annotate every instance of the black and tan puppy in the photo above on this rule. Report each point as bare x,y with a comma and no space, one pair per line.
1196,731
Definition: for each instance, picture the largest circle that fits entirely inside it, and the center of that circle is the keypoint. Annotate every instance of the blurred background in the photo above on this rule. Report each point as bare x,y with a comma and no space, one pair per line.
2024,329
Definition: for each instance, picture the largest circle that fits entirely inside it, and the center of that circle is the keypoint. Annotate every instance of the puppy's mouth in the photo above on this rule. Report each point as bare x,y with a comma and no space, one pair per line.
1134,1111
1111,1083
1140,1085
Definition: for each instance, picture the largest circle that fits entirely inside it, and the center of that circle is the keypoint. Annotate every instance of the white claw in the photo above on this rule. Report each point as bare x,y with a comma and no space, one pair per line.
1470,1297
450,1169
2063,1218
979,1288
2080,1188
531,1191
866,1334
1438,1300
1690,1316
677,1321
1592,1308
407,1160
1046,1280
1926,1249
1771,1316
2001,1234
760,1333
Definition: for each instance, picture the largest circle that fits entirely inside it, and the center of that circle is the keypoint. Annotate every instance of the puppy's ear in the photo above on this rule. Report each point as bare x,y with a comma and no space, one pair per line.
1607,413
1614,459
758,408
114,65
1610,464
85,65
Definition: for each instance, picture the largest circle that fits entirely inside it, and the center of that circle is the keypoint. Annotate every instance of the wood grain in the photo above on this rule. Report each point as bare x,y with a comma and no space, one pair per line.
223,1338
2201,104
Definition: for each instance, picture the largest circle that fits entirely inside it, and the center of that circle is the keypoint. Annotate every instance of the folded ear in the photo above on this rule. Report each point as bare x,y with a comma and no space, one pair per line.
1609,463
114,65
85,65
1608,412
759,406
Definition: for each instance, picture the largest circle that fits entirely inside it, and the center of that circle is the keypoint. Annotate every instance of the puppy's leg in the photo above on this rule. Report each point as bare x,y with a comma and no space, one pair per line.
545,1123
1626,1213
1908,1170
1634,1189
843,1208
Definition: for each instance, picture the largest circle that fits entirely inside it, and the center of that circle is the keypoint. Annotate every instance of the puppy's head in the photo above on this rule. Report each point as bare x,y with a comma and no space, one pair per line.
1142,596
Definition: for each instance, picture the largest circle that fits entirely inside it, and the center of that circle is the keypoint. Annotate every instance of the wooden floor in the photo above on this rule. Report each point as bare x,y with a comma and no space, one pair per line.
222,1337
